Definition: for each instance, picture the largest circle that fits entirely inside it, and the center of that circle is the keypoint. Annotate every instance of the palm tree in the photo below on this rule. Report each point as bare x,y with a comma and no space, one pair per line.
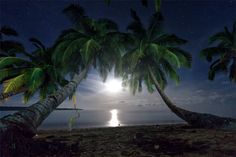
224,53
29,75
91,42
152,57
94,43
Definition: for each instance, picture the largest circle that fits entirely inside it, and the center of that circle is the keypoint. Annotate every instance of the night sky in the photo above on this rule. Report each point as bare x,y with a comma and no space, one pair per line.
194,20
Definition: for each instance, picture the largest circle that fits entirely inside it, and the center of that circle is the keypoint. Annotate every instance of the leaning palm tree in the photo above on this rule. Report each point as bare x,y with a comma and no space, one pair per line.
224,53
152,57
30,75
94,43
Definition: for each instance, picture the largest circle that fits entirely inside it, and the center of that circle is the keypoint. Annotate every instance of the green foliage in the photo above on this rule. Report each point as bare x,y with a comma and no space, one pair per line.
223,55
9,61
87,50
15,83
150,50
7,73
36,72
90,42
36,79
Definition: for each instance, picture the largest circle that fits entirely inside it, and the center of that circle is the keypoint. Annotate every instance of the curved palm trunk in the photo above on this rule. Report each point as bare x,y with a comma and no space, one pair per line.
24,123
195,119
7,95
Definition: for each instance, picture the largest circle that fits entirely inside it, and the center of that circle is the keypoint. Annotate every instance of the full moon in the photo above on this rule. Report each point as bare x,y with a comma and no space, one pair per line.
113,86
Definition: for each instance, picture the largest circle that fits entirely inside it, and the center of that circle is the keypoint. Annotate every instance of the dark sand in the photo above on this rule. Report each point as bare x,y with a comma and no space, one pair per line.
136,141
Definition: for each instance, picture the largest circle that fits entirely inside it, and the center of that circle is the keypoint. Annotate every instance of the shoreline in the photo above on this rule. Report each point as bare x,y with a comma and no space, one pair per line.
107,126
135,141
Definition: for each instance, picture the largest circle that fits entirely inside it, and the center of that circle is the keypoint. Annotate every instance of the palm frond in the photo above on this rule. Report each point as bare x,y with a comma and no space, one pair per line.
210,52
221,37
37,43
35,80
148,83
14,84
9,61
11,47
7,73
155,28
109,24
218,66
165,53
74,12
136,26
184,57
171,71
170,40
6,30
88,49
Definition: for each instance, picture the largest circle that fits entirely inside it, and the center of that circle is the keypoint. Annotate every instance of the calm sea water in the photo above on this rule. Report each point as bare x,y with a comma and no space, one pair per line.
105,118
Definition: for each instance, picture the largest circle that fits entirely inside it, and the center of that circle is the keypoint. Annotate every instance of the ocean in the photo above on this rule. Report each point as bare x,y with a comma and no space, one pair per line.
105,118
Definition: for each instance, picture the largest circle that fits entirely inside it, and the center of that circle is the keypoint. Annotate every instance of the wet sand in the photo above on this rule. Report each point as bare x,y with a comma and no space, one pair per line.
135,141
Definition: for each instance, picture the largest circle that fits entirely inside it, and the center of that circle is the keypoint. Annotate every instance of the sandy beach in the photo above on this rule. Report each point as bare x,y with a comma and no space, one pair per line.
135,141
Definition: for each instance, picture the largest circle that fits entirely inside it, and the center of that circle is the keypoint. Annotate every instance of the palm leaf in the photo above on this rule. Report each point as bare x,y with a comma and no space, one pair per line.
221,36
72,47
184,57
9,61
170,40
136,26
11,47
74,12
217,67
148,83
171,71
7,73
163,52
36,79
37,43
210,52
14,84
6,30
109,24
88,49
155,28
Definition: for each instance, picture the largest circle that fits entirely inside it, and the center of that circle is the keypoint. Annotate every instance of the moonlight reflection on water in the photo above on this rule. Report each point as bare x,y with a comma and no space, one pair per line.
114,118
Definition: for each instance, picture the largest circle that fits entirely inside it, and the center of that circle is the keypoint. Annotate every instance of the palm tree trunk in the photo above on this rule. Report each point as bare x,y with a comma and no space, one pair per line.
7,95
23,124
194,119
